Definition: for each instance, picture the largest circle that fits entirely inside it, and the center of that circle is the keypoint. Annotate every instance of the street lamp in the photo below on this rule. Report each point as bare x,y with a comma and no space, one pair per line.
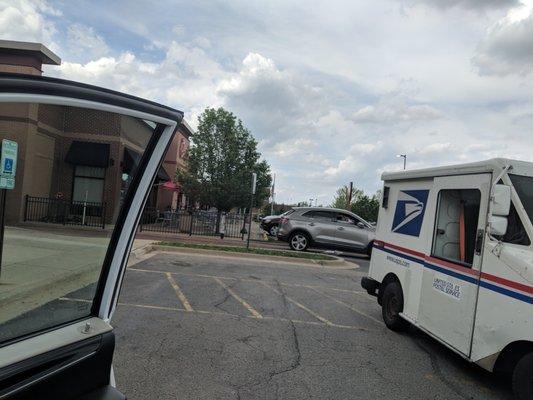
404,156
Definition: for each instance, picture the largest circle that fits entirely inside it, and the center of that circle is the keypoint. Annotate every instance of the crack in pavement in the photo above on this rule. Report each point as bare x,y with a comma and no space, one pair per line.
438,371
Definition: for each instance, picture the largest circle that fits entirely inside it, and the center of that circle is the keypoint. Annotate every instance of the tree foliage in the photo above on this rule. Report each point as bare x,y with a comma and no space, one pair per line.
222,157
363,205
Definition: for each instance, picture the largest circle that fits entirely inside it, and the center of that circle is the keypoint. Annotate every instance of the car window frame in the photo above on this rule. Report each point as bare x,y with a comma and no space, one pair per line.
15,88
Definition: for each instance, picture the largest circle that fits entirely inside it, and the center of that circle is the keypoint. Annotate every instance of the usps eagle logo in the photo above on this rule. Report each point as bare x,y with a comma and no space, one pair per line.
409,213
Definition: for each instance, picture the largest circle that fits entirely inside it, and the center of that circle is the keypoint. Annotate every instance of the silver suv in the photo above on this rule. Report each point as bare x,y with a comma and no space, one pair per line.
326,227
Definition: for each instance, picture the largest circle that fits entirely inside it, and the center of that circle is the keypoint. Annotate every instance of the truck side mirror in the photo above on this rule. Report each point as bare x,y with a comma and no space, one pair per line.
497,225
501,200
500,206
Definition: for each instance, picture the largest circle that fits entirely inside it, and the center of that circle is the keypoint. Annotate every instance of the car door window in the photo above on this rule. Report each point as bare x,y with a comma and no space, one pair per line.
323,216
59,216
346,219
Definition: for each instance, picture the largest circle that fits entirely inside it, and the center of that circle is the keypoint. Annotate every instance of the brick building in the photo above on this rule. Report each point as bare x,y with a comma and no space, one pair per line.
77,155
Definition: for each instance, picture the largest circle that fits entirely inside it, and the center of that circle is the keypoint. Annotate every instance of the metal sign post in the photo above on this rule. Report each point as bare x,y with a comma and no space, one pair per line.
8,169
254,184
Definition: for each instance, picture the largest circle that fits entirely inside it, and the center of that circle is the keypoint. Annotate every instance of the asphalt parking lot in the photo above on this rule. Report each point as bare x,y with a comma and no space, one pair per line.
209,327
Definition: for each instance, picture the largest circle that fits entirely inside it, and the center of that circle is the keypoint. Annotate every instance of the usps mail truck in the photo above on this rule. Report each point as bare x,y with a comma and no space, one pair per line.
453,255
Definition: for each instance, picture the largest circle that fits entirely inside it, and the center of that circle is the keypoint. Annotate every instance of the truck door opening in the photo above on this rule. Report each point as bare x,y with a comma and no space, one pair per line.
456,226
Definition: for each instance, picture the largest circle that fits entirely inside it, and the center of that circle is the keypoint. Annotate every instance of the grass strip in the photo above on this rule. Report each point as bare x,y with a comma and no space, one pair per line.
234,249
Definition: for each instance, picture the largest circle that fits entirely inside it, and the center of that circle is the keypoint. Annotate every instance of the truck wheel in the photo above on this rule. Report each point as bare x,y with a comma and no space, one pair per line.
392,306
299,241
523,378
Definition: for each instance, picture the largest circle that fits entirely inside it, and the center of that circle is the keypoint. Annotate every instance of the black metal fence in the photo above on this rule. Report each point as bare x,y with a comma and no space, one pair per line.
197,222
59,211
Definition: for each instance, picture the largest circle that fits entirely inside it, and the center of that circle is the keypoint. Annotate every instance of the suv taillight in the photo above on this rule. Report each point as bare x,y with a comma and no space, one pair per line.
282,220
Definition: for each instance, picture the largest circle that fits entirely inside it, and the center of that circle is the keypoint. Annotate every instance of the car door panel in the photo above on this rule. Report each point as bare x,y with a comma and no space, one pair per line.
59,344
81,362
351,236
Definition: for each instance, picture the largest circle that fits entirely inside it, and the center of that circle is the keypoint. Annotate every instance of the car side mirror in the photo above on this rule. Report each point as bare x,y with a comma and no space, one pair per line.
500,207
360,225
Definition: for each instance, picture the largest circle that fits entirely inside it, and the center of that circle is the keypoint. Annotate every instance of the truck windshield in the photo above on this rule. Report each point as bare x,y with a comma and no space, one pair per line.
524,187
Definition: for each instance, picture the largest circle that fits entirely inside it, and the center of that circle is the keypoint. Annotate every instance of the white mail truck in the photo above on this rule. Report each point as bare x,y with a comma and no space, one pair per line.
453,255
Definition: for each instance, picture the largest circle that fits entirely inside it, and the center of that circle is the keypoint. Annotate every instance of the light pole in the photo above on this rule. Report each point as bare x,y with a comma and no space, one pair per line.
404,156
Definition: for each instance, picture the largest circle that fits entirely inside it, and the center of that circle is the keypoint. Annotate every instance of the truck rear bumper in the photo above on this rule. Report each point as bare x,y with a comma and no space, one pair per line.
370,285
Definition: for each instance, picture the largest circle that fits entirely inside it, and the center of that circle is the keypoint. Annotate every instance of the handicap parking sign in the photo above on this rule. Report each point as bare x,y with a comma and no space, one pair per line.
8,164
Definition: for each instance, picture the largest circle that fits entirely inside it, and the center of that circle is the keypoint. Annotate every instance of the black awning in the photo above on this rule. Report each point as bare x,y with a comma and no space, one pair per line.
88,153
130,161
162,175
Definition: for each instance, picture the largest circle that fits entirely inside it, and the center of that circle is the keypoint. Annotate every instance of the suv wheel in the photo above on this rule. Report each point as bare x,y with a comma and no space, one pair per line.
299,241
273,230
392,306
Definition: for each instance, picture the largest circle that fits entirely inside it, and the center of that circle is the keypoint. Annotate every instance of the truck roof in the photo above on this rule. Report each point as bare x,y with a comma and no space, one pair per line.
493,164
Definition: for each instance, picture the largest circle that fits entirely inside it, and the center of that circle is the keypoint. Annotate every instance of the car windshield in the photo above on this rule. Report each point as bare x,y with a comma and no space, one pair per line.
524,187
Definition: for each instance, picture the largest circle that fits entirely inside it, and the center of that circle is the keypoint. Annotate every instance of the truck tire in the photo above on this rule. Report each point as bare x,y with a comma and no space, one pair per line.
522,379
299,241
392,306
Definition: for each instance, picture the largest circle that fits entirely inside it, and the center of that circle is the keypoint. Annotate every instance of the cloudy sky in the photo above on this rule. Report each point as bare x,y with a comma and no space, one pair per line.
333,90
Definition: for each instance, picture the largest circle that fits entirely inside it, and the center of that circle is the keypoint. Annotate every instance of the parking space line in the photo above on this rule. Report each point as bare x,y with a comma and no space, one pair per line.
362,292
224,314
314,314
252,311
348,305
179,293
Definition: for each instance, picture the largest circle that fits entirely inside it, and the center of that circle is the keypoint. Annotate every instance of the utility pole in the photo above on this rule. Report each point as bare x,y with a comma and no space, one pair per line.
254,182
350,193
272,194
404,156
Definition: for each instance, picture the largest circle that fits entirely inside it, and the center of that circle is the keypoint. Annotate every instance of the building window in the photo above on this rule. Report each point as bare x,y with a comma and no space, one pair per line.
88,184
456,225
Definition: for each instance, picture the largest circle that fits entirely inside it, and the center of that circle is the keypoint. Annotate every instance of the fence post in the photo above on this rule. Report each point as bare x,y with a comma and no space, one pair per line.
103,215
192,221
65,212
26,208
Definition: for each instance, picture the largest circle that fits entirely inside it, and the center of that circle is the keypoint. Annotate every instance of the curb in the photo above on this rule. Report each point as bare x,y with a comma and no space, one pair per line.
337,262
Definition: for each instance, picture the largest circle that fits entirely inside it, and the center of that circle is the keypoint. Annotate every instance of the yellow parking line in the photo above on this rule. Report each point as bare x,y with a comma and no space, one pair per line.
179,293
348,305
243,280
252,311
224,314
314,314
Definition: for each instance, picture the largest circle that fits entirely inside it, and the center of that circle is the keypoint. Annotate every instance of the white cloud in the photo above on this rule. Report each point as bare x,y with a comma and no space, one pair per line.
468,4
508,46
83,41
26,20
328,105
395,112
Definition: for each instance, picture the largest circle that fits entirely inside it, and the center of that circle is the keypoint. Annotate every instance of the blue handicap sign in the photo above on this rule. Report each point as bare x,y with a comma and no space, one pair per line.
8,165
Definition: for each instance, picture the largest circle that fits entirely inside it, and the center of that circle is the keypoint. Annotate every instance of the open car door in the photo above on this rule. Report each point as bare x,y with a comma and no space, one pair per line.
78,163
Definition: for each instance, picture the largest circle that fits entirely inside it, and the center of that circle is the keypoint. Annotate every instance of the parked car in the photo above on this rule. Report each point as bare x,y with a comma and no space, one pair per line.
270,223
326,227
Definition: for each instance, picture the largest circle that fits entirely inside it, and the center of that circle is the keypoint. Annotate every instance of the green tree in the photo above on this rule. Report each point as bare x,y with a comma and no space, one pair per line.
341,197
222,157
367,207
